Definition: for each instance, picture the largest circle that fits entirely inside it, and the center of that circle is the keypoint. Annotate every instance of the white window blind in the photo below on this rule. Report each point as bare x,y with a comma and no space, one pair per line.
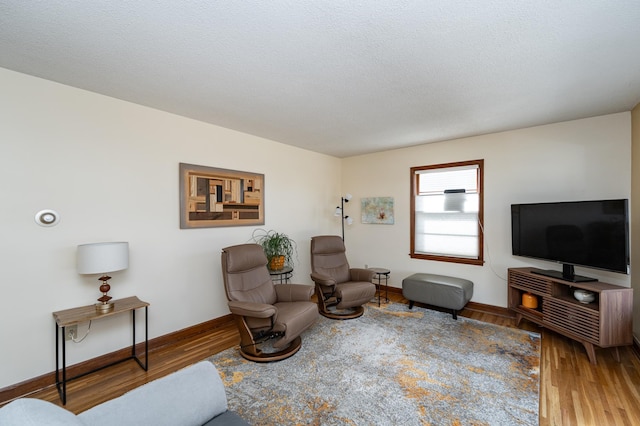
446,212
436,181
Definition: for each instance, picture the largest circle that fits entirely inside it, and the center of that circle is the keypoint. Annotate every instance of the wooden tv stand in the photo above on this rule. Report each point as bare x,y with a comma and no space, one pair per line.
606,322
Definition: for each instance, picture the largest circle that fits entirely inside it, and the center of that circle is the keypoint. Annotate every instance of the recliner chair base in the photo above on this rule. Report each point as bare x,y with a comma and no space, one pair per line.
253,353
348,314
324,306
250,345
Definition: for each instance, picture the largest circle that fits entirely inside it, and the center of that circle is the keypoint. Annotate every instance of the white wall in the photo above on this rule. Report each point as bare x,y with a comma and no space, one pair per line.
577,160
111,169
635,207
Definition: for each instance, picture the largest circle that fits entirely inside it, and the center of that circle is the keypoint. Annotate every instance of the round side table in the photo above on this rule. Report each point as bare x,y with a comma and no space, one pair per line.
281,276
381,273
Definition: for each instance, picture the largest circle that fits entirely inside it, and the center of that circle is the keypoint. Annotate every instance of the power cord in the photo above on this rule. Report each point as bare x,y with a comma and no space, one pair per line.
486,243
75,339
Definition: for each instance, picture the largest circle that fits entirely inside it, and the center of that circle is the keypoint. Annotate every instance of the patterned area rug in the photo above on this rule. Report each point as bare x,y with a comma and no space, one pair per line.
392,366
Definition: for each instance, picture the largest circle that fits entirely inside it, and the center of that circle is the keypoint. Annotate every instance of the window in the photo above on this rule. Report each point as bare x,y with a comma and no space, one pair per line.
447,212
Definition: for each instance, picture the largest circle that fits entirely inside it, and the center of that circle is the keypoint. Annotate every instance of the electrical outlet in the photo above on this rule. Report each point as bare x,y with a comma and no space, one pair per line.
71,332
366,266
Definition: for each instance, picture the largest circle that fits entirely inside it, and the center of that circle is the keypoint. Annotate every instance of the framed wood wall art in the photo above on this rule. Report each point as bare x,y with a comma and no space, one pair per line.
211,197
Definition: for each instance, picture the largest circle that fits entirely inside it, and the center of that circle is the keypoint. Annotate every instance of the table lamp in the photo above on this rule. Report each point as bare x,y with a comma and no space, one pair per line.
101,258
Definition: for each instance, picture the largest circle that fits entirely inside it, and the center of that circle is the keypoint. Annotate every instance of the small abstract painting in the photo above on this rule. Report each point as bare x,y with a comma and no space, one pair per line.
377,210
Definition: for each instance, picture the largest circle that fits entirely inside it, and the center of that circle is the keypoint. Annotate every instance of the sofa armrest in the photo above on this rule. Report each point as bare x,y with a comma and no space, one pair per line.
191,396
293,292
31,411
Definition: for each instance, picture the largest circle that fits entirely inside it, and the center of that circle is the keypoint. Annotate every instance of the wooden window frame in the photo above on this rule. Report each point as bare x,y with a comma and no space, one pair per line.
414,193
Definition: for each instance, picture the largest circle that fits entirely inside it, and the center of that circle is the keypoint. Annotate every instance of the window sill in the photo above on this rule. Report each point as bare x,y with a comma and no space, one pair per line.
451,259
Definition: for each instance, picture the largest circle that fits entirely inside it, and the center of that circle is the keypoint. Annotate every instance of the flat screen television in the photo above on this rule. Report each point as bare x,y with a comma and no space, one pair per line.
593,234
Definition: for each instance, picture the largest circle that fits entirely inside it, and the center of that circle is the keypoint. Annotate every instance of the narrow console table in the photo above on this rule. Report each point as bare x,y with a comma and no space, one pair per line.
74,316
606,322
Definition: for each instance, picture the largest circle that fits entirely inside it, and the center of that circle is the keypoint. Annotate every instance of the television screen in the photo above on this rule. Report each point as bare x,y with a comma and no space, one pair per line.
593,234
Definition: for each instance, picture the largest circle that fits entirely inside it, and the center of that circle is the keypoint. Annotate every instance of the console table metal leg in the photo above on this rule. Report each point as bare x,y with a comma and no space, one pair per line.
64,366
146,338
61,385
133,329
57,331
134,354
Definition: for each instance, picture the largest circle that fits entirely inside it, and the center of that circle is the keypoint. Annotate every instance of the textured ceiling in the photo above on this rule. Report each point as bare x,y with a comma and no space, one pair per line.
337,77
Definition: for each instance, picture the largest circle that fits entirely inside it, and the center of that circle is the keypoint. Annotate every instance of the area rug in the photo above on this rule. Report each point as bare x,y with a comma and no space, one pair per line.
392,366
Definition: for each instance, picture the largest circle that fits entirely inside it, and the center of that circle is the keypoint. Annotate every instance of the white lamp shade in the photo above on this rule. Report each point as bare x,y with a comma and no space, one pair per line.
100,258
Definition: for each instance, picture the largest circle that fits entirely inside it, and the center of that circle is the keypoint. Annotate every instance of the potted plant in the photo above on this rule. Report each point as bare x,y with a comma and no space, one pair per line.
278,247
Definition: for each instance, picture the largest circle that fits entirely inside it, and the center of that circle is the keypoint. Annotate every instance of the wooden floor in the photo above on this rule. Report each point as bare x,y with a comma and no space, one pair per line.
572,391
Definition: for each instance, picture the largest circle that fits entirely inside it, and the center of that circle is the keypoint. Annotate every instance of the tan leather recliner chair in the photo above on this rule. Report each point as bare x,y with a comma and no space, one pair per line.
265,312
341,290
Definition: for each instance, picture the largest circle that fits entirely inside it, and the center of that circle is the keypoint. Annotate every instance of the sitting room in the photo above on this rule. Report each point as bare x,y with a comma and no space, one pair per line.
141,141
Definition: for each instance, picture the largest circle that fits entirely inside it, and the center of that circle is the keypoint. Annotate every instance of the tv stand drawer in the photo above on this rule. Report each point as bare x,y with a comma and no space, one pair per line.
531,283
574,319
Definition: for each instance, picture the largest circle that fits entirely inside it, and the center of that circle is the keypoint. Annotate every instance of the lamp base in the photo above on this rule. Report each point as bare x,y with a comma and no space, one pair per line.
103,308
105,304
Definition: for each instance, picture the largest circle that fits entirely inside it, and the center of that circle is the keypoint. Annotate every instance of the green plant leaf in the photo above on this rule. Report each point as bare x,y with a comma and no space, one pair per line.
276,244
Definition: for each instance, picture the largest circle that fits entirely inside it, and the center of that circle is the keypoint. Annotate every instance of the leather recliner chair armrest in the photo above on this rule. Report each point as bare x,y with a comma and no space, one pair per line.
323,279
361,274
293,292
252,309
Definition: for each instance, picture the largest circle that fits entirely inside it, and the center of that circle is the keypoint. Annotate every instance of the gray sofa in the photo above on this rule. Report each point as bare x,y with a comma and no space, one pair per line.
192,396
